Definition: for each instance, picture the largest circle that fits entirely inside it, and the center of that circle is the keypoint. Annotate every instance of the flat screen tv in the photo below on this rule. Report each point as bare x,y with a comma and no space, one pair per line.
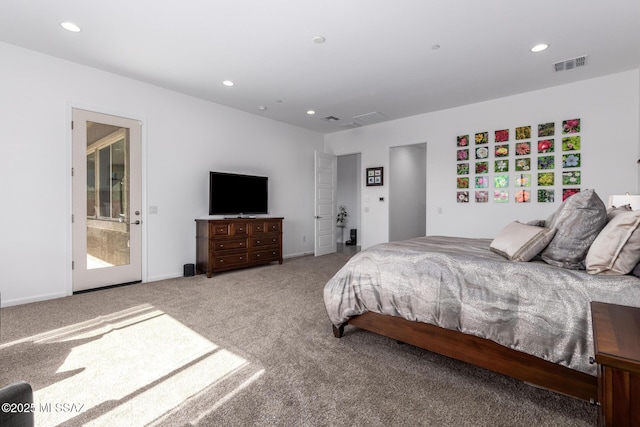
235,194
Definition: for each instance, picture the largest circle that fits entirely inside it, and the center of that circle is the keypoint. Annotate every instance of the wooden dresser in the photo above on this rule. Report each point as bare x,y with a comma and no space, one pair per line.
228,244
616,336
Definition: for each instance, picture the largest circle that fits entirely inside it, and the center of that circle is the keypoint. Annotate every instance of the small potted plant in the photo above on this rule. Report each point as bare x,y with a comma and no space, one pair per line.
342,216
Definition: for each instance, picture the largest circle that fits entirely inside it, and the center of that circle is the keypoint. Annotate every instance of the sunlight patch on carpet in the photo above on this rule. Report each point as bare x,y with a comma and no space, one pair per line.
133,366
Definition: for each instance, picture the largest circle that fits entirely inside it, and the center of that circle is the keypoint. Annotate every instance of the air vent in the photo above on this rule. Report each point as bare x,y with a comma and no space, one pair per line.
330,119
350,125
570,64
370,118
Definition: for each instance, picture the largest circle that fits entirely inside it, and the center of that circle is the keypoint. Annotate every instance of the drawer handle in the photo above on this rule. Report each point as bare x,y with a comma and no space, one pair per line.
258,241
273,240
258,256
221,246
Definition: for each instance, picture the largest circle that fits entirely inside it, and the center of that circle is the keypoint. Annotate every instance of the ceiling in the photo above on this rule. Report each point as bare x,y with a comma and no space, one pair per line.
379,55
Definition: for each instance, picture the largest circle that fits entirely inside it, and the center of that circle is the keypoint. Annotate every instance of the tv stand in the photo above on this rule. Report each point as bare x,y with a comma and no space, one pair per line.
232,243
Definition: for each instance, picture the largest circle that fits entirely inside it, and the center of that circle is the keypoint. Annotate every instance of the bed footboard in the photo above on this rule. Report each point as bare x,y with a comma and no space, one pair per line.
479,352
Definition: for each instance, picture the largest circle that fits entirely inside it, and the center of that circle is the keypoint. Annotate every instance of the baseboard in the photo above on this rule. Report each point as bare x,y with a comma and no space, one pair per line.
299,254
165,277
36,298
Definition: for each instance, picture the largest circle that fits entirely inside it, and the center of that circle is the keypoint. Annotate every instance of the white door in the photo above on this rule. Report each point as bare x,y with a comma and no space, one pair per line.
107,200
326,172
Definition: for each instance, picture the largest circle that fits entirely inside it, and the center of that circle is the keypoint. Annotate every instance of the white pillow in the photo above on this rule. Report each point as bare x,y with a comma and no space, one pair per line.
616,250
521,242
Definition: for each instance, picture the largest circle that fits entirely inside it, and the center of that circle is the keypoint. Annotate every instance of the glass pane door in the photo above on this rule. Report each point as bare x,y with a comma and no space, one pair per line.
107,200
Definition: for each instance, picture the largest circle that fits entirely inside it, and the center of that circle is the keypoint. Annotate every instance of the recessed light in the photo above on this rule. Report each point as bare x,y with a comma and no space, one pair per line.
262,108
70,26
319,40
539,47
228,83
311,112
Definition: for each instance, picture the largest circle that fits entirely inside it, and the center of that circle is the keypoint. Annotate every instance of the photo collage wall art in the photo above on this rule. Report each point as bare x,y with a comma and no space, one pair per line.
523,165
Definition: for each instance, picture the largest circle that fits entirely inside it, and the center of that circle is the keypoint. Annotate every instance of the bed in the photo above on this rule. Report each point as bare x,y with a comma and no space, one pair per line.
462,298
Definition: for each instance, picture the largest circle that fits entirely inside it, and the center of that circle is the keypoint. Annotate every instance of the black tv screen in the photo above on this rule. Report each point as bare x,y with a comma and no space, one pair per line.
234,194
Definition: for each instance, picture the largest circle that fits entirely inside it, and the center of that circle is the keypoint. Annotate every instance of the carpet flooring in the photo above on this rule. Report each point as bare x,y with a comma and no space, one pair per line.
252,347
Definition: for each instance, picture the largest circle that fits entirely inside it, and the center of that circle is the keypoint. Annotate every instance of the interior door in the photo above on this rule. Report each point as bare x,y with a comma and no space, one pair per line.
326,176
107,200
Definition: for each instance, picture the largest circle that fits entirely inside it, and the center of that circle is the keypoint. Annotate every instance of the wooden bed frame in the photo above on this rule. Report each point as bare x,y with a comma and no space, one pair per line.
480,352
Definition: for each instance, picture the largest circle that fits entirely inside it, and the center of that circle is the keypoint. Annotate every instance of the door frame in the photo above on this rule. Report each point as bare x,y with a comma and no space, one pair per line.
69,183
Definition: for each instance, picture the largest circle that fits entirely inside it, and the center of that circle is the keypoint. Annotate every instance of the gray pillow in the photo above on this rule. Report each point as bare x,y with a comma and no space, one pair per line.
521,242
616,250
578,221
636,271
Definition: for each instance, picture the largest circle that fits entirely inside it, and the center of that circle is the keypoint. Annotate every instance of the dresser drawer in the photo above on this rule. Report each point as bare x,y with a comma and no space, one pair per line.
273,226
239,229
258,227
265,255
221,245
266,240
220,261
218,229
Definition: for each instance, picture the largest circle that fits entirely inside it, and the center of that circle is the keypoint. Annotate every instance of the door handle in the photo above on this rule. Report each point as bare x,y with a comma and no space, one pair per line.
317,217
136,222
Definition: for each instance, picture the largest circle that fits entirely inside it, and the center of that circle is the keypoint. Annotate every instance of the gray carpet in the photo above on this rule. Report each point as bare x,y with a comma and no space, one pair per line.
250,347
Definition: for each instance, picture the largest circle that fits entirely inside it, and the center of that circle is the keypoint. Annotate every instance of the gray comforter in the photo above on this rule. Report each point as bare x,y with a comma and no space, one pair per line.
459,284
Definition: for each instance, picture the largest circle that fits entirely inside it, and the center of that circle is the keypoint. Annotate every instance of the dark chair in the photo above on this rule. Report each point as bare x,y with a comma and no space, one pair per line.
19,411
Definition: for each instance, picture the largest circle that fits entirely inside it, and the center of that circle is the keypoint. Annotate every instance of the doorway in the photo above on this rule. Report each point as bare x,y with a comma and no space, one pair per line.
348,194
107,200
407,192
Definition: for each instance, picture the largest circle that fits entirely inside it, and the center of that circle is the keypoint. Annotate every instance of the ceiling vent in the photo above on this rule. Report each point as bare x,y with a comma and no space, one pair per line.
570,64
350,125
330,119
370,118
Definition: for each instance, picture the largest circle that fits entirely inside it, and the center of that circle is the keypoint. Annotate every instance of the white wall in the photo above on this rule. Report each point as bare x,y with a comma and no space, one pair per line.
407,191
610,113
184,139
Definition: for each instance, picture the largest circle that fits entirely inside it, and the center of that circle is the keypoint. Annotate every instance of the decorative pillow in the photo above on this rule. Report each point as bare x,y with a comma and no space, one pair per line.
578,221
521,242
616,250
613,211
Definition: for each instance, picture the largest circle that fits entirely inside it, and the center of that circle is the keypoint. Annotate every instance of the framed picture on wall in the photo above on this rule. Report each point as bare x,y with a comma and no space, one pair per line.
374,176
